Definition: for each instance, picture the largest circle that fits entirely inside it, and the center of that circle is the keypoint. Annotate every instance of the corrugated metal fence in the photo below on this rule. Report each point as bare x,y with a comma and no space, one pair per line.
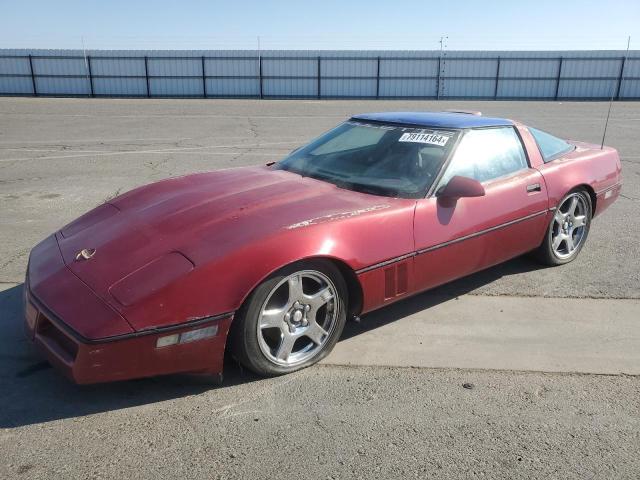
322,74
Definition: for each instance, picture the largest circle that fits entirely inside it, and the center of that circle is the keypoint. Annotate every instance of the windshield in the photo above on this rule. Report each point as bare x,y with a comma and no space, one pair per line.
379,159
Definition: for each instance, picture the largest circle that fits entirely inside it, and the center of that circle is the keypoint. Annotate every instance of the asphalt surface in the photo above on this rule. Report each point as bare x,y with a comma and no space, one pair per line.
364,413
338,422
61,157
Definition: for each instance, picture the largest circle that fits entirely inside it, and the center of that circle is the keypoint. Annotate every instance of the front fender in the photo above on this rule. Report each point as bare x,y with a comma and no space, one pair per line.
356,242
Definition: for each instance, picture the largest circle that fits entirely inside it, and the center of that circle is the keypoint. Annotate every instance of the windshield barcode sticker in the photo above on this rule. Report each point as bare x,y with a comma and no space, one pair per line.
430,138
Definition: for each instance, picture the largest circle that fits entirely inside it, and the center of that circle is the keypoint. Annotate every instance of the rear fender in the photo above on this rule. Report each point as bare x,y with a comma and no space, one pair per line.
599,170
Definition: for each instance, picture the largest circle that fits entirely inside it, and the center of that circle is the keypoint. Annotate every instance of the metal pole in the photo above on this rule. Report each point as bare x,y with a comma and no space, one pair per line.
319,91
33,78
620,78
88,67
495,93
260,68
438,79
555,97
260,74
204,80
146,75
378,79
90,75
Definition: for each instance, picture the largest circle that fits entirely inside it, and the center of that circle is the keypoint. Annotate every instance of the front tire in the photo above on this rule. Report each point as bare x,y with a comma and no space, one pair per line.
291,320
567,231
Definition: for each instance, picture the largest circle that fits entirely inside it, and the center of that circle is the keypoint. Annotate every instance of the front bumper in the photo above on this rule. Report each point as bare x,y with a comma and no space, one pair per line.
123,357
87,341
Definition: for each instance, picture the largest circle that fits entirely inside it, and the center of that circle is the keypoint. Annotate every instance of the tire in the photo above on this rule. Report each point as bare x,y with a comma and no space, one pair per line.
564,240
281,328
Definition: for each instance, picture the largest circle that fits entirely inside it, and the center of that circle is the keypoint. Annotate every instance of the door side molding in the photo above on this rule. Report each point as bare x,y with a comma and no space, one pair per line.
451,242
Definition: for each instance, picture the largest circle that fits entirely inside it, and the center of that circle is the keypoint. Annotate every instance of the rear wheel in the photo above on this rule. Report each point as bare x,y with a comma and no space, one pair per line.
292,320
568,230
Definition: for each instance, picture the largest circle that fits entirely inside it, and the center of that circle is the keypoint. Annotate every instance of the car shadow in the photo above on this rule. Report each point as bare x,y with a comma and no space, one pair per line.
435,296
33,392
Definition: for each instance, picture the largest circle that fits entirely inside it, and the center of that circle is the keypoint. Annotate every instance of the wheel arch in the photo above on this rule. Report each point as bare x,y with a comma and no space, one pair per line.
354,287
592,195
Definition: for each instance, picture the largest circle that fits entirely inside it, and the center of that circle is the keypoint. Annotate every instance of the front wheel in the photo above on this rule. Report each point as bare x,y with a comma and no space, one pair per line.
568,230
292,320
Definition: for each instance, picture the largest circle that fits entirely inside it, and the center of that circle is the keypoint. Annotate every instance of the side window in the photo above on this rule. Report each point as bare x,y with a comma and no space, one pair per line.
550,147
485,154
356,137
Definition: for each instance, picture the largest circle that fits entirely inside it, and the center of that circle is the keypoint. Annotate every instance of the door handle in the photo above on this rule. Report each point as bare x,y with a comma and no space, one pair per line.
534,187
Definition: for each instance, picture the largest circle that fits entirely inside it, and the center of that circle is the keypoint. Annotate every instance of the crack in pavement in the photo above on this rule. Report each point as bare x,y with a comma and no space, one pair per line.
628,197
328,364
111,196
12,258
253,128
156,167
139,152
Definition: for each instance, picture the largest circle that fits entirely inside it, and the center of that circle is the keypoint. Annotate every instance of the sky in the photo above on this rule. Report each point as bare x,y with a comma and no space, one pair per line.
323,25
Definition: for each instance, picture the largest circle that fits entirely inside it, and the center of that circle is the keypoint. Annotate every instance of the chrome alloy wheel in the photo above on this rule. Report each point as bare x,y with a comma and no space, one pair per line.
568,226
297,318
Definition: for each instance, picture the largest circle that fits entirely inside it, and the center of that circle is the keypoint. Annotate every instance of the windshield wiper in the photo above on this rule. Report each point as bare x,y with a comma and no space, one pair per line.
366,188
355,186
375,189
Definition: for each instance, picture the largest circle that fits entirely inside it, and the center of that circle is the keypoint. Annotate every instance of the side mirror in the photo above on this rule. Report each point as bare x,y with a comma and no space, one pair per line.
460,187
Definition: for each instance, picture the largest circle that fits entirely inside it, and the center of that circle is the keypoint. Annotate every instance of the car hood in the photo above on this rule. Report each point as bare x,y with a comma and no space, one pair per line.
172,226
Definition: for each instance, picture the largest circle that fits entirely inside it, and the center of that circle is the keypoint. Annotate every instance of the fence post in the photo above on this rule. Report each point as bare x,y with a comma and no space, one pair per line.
438,79
555,97
90,75
146,75
33,78
319,91
378,79
204,80
260,74
620,78
495,93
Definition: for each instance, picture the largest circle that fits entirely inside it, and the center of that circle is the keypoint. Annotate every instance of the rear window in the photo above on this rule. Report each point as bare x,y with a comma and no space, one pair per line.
550,147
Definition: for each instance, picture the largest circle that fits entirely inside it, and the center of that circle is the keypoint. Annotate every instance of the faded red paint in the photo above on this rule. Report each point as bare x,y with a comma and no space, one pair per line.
196,246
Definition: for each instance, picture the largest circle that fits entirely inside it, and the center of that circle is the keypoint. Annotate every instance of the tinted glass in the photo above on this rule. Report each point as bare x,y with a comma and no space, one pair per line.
350,138
486,154
372,158
550,147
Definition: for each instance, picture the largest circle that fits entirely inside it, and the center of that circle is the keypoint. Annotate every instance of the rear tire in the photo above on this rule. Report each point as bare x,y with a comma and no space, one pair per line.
567,231
292,320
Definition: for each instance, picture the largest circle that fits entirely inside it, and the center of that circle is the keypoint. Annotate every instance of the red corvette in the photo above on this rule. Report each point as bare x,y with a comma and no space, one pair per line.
270,261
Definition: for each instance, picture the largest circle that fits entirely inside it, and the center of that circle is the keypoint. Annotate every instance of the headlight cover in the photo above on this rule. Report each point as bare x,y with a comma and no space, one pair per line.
151,278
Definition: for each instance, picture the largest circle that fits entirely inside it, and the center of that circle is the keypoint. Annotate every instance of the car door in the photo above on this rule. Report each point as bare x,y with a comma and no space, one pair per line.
453,240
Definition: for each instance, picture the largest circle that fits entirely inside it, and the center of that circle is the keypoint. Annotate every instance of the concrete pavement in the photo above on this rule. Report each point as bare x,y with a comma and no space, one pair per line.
499,333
